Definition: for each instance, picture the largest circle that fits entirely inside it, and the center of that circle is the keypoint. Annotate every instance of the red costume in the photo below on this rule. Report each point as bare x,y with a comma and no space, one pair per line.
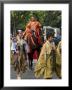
35,26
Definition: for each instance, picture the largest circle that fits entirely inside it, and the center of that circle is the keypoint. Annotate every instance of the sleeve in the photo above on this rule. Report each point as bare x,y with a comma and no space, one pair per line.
43,52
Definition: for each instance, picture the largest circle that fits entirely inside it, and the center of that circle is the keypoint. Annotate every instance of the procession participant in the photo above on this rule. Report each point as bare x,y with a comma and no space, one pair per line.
35,28
20,56
44,64
35,25
19,36
13,48
58,60
10,47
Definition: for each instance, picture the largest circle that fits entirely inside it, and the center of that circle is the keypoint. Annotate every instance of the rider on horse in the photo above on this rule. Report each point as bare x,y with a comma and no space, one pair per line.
32,33
35,27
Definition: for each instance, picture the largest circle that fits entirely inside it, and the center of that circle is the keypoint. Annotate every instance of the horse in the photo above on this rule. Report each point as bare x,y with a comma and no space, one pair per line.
34,45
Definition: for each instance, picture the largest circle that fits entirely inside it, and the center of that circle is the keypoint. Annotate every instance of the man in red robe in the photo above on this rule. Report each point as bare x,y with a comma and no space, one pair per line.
35,26
33,29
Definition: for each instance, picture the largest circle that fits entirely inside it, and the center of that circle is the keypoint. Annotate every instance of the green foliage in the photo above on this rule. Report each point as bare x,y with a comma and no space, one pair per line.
19,19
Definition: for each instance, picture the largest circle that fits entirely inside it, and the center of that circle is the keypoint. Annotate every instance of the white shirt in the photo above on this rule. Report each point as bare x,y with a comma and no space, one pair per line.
13,46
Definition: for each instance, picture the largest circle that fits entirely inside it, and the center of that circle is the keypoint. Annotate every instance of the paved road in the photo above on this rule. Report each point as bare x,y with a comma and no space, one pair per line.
29,74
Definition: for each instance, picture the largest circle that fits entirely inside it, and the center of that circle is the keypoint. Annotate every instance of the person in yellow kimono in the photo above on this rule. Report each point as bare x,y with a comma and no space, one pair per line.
58,60
44,65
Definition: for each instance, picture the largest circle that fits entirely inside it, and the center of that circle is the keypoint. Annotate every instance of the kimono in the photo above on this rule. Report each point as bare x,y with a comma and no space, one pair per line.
20,57
44,64
58,60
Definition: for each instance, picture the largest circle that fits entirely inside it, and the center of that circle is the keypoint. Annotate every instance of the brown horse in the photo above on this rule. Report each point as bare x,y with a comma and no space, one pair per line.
34,45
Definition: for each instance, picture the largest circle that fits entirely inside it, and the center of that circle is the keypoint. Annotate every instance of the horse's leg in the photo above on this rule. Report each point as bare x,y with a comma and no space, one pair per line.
30,60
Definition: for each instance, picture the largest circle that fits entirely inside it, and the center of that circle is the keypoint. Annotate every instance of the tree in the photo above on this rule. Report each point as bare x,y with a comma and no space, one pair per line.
19,19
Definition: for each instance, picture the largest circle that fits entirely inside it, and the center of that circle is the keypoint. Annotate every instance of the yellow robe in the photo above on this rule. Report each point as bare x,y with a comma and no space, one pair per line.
58,60
44,63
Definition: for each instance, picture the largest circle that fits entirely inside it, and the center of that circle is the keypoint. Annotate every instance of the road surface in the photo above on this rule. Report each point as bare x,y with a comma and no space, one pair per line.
29,74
